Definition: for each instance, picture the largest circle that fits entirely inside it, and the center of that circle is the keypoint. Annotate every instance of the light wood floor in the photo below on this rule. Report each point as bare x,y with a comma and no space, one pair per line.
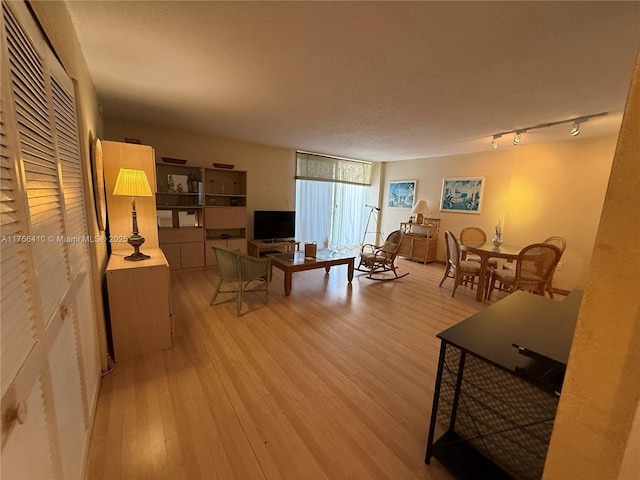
332,382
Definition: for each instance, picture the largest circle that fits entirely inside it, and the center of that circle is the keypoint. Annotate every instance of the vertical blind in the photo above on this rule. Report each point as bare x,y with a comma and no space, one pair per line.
312,166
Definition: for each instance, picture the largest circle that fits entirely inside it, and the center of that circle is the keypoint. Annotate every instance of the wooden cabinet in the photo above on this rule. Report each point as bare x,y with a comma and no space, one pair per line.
179,215
139,304
420,241
225,211
183,247
231,243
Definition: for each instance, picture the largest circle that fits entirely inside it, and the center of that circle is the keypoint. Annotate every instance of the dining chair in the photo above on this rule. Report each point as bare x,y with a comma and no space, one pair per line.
475,235
534,267
456,268
559,242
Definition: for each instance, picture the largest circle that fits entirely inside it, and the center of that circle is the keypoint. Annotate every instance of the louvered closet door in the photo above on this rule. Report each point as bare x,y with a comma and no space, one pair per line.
48,332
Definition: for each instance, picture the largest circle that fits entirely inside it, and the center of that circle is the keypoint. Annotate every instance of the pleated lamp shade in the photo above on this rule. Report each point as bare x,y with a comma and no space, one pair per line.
421,208
132,183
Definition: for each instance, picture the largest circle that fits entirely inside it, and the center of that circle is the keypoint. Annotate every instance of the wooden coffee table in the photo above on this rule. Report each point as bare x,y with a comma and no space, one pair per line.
296,262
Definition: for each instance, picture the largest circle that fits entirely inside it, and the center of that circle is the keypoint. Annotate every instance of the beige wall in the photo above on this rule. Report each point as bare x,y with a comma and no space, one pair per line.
602,387
270,170
535,190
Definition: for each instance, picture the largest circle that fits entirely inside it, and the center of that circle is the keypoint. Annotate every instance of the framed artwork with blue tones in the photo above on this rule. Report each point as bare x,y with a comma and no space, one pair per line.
401,194
462,195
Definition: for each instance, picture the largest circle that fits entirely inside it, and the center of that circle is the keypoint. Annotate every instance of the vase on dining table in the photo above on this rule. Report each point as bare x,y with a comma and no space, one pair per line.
497,240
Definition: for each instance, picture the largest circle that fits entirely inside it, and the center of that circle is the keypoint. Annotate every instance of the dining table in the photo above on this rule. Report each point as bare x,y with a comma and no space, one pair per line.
487,250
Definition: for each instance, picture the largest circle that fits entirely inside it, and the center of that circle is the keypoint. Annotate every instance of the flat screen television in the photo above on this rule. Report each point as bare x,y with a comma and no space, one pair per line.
274,225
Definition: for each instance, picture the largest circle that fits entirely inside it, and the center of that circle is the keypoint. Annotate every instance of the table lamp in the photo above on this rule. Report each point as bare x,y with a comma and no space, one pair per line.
422,209
133,183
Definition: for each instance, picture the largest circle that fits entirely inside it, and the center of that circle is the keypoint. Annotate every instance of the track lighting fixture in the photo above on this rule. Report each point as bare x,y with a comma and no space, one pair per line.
575,130
516,138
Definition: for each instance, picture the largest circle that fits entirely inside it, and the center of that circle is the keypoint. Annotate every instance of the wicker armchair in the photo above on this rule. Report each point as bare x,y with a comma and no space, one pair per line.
534,267
241,270
377,259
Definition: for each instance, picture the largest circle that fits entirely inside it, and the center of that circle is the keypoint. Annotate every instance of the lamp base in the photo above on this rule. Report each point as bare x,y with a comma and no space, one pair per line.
137,256
136,241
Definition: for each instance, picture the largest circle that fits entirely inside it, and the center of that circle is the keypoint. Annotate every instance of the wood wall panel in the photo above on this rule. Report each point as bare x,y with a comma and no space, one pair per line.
119,155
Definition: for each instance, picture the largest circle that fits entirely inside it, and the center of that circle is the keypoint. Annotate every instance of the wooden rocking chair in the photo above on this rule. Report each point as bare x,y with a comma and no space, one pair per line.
376,260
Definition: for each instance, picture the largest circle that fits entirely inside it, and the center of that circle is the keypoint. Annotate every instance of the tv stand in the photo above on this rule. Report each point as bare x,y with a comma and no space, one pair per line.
257,248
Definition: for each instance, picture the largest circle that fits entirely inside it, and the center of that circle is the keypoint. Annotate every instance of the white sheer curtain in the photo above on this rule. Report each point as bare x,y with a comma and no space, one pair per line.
349,215
313,211
331,214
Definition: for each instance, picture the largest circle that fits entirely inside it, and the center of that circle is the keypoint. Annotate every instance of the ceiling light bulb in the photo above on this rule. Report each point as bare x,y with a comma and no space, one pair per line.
494,143
516,138
576,129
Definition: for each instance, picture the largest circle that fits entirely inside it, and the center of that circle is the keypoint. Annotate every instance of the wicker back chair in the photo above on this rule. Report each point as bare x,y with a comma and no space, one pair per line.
534,267
475,235
241,270
377,259
561,243
458,269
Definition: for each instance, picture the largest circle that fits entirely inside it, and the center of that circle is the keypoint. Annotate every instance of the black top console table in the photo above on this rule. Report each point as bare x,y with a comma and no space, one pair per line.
497,387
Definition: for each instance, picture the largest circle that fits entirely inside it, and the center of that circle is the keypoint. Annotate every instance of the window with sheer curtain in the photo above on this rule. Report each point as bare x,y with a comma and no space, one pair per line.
330,200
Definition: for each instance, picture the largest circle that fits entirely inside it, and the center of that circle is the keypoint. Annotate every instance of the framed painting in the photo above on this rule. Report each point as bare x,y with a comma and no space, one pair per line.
401,194
462,195
98,184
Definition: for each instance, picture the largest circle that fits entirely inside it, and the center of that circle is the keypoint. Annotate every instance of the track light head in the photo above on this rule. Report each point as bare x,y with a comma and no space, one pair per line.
516,138
494,142
575,131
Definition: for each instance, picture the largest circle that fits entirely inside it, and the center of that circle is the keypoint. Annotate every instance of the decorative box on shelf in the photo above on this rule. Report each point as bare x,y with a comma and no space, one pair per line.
420,241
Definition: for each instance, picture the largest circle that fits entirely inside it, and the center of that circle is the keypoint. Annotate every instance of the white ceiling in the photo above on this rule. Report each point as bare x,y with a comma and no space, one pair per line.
369,80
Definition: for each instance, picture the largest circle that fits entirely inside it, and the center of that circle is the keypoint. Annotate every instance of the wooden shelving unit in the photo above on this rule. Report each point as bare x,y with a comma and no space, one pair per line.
198,208
179,214
420,241
225,210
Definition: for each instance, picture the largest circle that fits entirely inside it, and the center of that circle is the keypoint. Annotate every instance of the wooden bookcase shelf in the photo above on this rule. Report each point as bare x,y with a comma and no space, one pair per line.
209,208
225,211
